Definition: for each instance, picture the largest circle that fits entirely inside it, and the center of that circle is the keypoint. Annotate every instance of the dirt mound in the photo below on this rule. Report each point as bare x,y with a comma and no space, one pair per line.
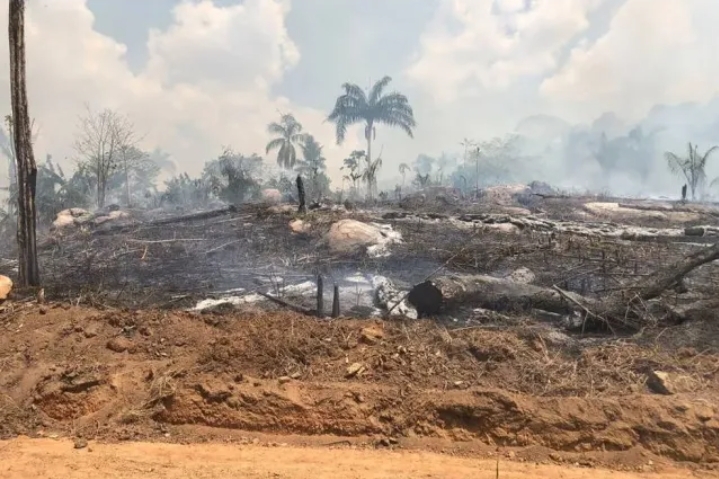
121,375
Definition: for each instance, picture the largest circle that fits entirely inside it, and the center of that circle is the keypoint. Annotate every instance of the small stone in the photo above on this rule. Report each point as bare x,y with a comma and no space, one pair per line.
120,344
284,379
661,382
80,443
296,375
555,457
371,335
355,369
511,454
90,331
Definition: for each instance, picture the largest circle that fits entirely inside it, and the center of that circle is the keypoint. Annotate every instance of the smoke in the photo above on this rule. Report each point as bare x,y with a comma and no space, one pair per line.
608,155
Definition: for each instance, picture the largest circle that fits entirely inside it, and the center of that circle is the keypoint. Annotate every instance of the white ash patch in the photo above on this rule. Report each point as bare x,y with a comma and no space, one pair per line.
387,296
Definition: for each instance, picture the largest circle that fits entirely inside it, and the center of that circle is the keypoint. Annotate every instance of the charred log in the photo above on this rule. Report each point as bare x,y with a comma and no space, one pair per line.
448,292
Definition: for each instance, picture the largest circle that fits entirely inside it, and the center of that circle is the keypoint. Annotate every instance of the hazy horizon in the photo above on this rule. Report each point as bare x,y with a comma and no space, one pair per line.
195,76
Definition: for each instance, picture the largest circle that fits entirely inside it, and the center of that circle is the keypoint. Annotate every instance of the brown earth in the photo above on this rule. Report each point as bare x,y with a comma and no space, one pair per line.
160,376
45,458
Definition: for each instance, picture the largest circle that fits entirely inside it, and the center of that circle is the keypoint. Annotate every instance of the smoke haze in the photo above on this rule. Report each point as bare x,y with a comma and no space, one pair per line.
195,76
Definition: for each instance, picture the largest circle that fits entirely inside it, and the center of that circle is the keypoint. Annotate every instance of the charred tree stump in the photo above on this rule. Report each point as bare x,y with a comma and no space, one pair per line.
301,193
320,297
336,302
448,292
29,272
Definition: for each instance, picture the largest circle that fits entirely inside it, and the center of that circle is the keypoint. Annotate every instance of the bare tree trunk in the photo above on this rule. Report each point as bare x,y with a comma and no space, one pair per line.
368,135
301,193
29,272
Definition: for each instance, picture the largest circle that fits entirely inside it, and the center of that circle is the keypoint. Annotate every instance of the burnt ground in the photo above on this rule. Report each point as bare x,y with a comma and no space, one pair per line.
112,356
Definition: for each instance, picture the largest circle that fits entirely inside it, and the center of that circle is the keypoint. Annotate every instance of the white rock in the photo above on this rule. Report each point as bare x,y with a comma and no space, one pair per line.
348,236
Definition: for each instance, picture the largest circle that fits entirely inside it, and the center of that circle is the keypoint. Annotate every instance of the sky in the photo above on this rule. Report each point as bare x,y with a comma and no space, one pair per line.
196,75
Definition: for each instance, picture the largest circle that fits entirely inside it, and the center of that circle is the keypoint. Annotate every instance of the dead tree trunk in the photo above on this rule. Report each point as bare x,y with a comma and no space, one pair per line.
448,292
301,193
29,273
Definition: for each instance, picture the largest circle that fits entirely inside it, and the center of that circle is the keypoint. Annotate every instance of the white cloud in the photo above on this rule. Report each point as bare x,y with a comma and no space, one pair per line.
655,51
207,82
478,46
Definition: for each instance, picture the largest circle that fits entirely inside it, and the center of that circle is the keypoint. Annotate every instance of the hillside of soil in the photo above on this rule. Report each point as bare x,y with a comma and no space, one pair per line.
243,376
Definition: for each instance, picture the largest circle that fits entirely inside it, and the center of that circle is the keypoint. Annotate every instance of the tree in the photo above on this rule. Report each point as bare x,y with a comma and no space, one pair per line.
104,143
232,176
289,134
312,166
371,108
353,164
369,175
403,169
693,166
28,270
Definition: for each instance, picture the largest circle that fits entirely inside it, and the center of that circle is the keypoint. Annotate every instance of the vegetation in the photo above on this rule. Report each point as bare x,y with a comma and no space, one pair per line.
371,108
692,166
288,132
312,166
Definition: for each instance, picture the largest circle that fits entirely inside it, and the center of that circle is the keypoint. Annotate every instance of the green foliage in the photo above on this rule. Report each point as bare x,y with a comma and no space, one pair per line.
181,190
353,166
288,135
312,167
232,176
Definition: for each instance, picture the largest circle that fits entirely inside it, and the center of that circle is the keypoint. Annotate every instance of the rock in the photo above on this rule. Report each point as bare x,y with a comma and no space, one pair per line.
120,344
284,379
300,227
522,275
351,236
5,287
69,217
371,334
355,369
661,382
90,331
271,195
80,443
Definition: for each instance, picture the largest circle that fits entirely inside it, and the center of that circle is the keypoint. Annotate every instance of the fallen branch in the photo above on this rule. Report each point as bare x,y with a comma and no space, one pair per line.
167,221
287,304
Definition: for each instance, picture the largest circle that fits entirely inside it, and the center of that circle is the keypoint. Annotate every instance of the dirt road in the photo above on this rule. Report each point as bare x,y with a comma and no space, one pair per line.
46,458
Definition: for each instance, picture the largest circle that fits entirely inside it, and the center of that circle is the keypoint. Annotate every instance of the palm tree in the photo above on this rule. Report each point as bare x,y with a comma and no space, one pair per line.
403,169
352,163
289,134
693,167
313,163
369,176
371,108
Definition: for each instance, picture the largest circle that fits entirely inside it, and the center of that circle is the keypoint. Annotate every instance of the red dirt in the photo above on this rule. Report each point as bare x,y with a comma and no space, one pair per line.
110,375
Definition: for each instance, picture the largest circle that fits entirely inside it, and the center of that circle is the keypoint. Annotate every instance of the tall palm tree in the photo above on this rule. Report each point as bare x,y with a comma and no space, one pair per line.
693,166
403,169
371,108
289,134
